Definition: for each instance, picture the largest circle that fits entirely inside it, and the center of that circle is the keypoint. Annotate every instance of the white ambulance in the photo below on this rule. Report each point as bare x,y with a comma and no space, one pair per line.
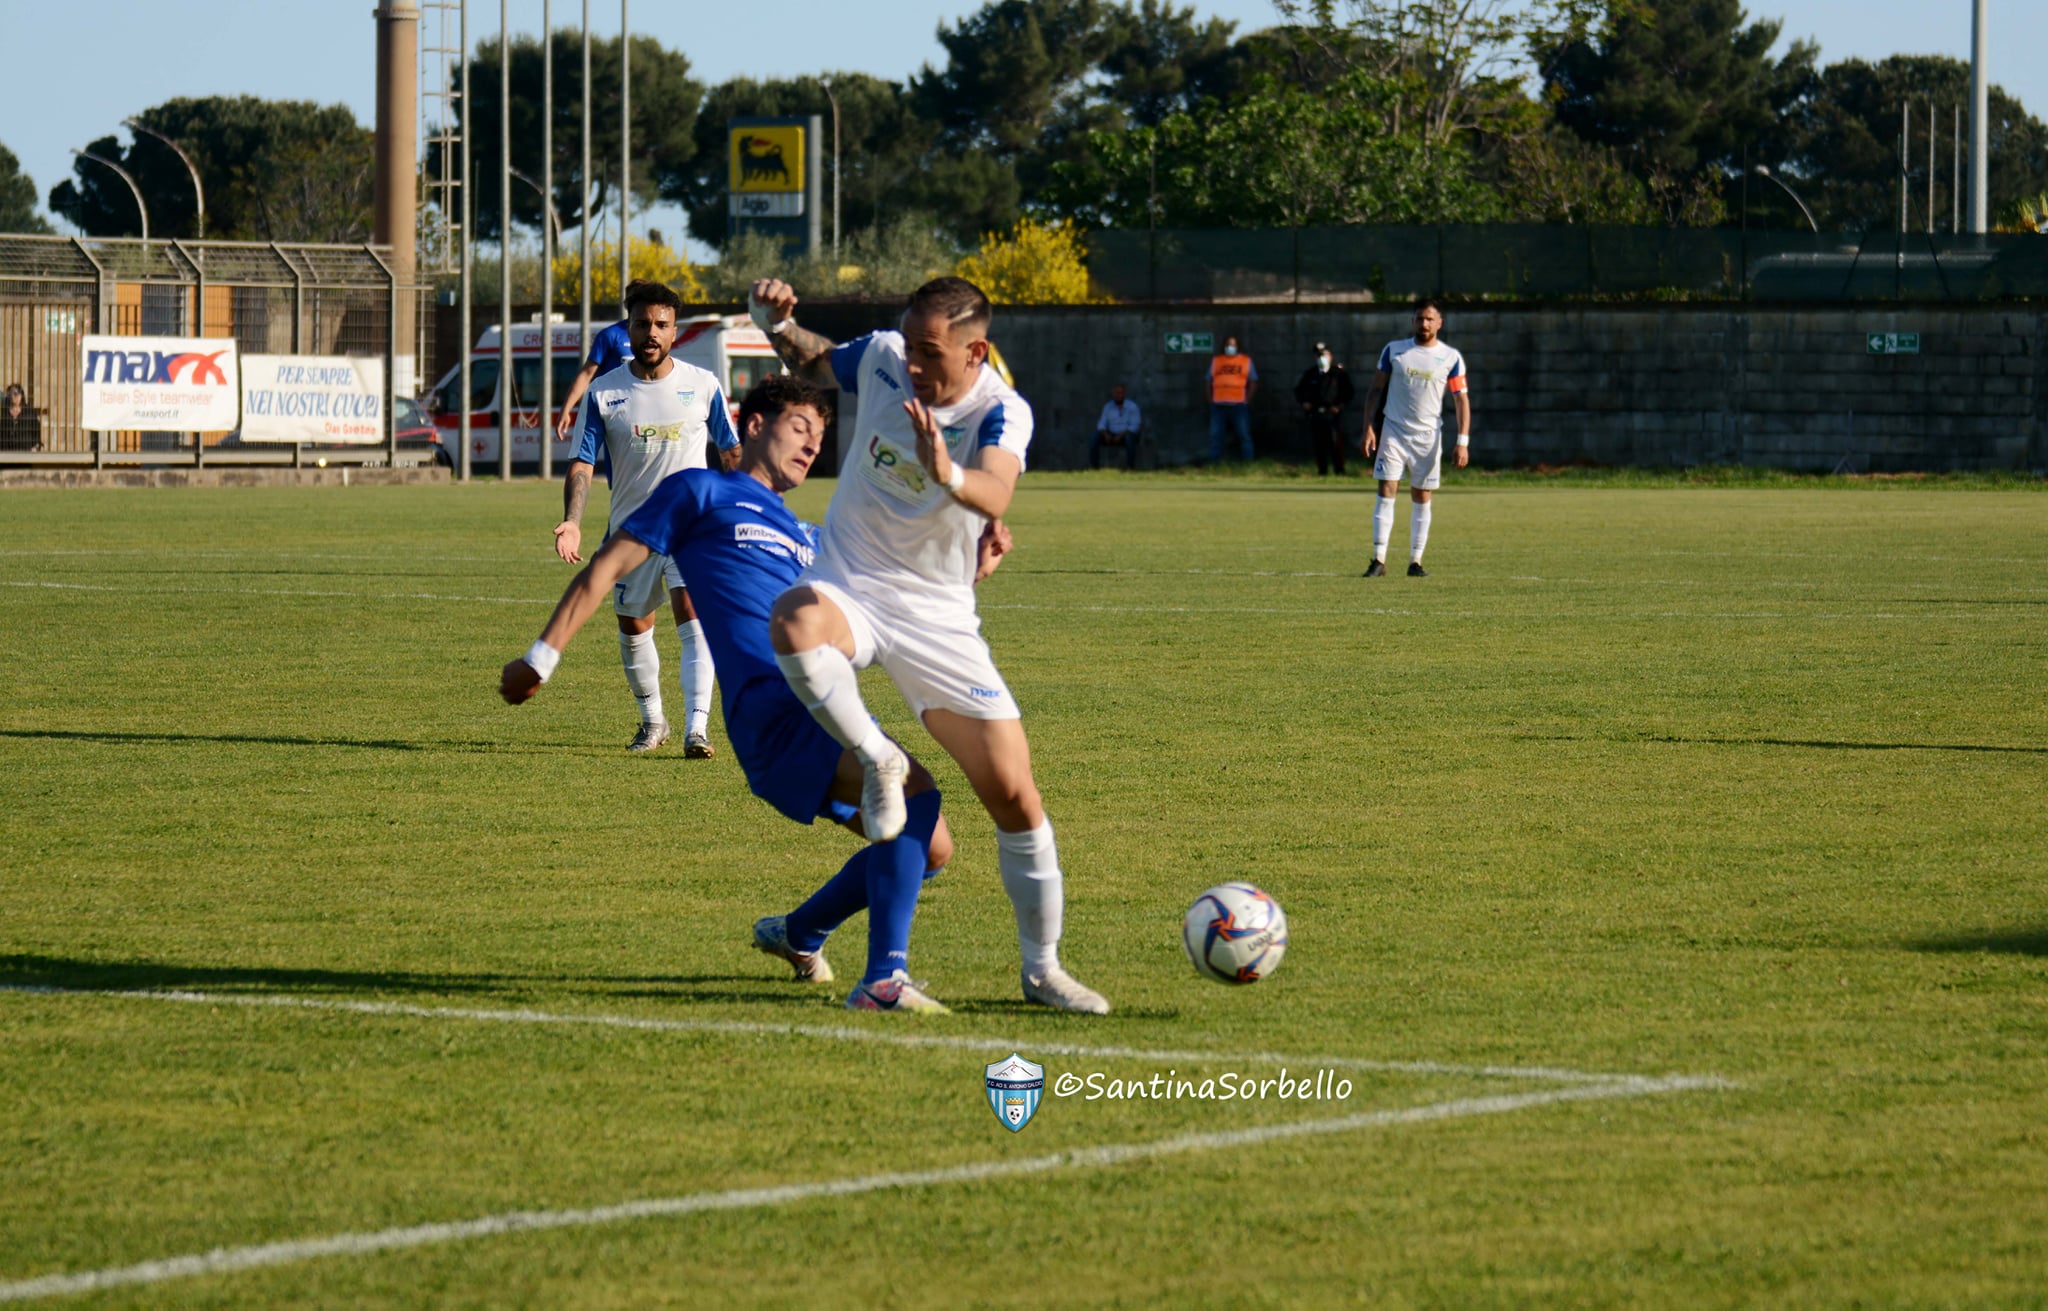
736,352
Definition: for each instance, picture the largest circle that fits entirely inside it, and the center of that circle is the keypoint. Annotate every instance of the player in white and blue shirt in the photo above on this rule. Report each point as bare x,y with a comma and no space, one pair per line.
1413,377
733,534
648,419
937,444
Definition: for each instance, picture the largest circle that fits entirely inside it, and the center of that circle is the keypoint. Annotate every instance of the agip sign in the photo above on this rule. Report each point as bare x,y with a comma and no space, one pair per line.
765,169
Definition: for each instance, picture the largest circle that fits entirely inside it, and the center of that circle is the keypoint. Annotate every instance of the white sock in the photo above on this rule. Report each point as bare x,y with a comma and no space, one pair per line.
695,676
1382,526
1418,532
1031,875
642,660
824,680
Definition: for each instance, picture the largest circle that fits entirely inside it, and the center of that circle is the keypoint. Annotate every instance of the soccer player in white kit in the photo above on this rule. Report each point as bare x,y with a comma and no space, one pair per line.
1413,377
647,419
938,444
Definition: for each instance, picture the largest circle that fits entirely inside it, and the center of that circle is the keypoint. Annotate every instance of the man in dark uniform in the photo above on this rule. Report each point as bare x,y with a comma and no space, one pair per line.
1324,390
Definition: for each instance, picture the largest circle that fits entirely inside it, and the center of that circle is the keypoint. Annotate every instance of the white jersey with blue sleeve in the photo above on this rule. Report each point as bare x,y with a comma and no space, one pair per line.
1417,379
642,430
890,529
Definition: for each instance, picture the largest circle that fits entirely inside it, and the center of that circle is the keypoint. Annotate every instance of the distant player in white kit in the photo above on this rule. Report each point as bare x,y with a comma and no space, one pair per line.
1413,376
647,419
938,444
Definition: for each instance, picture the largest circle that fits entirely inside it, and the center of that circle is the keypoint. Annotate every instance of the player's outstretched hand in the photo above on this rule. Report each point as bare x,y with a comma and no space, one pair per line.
518,682
569,542
931,452
995,543
775,296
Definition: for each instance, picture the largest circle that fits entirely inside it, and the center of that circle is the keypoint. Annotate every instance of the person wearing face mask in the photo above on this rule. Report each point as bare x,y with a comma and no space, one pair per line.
1233,381
21,429
1323,392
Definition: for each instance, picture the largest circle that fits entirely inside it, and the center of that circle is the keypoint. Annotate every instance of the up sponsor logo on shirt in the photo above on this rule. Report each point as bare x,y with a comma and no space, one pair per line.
893,470
648,434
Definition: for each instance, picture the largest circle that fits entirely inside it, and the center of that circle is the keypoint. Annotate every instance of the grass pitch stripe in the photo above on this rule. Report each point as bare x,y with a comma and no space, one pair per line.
228,1260
830,1032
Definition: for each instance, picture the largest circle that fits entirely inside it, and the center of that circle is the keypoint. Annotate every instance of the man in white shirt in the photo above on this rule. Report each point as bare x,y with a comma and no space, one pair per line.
938,444
1117,425
1413,377
647,419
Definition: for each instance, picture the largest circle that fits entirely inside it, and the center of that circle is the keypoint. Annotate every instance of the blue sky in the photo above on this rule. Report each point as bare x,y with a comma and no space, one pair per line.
75,68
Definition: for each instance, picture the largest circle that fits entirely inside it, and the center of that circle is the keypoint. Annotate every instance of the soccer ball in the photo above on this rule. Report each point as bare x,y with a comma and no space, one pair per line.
1235,933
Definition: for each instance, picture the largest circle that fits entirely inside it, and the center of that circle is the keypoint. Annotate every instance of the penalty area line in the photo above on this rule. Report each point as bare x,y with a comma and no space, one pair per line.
228,1260
832,1032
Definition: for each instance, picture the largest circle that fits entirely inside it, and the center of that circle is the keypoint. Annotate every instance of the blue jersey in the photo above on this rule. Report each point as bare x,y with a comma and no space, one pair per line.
740,547
610,348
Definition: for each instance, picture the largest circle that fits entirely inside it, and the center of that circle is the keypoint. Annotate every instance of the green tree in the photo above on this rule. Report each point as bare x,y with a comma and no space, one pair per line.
665,100
1682,90
18,197
1844,144
1160,60
274,170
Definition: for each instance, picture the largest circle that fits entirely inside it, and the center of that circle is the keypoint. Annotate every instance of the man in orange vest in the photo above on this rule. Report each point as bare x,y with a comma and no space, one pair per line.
1233,381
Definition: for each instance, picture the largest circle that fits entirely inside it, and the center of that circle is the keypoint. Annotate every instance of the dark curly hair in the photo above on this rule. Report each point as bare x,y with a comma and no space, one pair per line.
778,392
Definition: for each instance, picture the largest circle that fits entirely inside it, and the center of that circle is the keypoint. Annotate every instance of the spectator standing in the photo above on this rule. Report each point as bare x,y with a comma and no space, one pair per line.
1323,392
1233,381
1117,426
21,428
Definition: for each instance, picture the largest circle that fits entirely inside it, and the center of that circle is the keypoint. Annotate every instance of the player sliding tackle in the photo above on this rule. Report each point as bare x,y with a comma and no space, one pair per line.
741,548
938,444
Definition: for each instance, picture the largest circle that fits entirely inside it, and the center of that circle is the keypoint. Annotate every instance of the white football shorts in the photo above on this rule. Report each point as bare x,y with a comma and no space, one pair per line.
1396,460
937,663
644,590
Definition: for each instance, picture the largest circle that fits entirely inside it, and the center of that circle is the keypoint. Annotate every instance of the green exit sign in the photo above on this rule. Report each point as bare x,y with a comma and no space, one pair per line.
1190,343
1892,343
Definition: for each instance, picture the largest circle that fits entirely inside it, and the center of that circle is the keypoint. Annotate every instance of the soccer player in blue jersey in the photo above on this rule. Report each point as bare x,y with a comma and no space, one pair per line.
648,419
940,441
742,548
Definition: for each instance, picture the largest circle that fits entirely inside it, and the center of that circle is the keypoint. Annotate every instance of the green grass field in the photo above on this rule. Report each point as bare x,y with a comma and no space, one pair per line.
1742,783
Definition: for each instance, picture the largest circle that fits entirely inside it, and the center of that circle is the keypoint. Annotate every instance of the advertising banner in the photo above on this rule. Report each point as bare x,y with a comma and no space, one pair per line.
312,398
159,384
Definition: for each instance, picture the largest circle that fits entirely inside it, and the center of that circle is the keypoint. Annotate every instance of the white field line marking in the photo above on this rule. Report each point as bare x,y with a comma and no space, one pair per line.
1340,612
830,1032
226,1260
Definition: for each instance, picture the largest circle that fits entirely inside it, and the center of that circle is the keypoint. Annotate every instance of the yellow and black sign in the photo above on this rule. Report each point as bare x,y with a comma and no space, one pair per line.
766,159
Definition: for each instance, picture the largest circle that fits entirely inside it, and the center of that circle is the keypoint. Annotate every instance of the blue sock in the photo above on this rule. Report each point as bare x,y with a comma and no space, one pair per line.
895,876
844,895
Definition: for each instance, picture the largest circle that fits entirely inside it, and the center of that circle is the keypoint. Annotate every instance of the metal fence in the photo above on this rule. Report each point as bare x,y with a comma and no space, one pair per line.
271,298
1509,261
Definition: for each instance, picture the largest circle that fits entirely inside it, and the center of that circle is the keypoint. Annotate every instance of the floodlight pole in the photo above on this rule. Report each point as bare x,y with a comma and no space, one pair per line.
504,240
197,190
549,230
826,82
140,208
1980,115
466,294
625,149
583,205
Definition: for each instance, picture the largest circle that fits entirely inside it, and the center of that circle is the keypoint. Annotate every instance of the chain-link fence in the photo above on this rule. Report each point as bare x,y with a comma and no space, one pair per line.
1508,261
272,299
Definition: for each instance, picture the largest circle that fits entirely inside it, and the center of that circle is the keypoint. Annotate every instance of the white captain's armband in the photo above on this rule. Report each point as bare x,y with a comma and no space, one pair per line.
543,658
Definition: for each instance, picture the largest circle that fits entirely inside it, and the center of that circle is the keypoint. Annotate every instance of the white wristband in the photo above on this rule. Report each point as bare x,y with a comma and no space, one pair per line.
543,658
1464,439
957,479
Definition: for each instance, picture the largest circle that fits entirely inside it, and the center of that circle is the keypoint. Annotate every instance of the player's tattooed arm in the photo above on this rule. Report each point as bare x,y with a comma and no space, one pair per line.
808,354
575,495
